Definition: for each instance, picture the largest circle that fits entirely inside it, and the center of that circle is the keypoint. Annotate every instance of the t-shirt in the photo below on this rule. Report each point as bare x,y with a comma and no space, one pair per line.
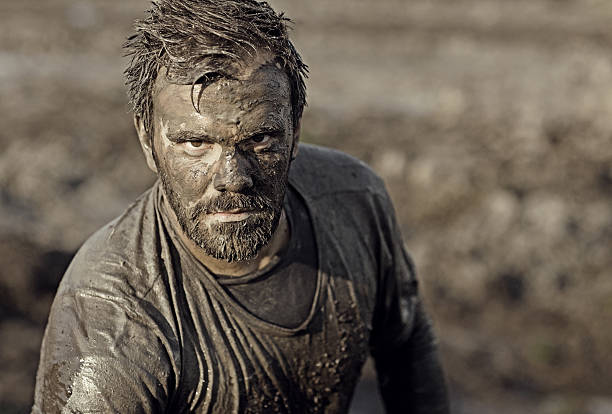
138,326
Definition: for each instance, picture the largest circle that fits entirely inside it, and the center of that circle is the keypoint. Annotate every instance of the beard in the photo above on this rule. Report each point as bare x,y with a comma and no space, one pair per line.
229,241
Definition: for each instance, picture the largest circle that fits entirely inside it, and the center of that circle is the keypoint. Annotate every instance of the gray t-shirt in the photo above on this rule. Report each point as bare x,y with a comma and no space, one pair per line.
136,327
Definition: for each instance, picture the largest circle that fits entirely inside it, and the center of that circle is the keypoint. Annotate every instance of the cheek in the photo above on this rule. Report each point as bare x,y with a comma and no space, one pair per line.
272,169
190,177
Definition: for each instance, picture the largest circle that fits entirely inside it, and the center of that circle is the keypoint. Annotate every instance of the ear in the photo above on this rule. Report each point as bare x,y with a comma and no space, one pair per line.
296,139
146,143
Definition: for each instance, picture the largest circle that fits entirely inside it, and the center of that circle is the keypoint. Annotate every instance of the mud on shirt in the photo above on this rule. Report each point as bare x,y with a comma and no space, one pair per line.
139,326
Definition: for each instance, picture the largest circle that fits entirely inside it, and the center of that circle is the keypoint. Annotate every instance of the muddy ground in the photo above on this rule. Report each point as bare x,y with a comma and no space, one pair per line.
490,121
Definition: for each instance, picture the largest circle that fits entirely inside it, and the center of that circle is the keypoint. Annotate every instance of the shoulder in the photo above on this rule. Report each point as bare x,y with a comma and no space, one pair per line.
110,262
319,171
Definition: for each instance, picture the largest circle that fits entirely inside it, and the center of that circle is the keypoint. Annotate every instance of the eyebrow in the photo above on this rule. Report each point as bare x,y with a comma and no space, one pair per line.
271,126
183,136
268,128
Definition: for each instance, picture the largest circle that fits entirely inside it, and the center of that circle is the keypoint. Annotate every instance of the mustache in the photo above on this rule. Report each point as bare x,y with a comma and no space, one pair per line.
229,201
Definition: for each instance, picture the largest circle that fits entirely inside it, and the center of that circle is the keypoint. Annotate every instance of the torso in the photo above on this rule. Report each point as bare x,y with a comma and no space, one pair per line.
244,352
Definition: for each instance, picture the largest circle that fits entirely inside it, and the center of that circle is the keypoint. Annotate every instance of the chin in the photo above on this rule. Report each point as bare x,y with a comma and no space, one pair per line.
235,241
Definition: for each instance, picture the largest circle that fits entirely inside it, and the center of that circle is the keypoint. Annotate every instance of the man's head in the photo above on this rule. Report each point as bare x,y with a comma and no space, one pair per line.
217,91
198,39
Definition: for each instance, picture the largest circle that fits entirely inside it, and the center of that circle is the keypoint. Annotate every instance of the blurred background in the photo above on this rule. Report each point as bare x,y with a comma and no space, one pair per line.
490,121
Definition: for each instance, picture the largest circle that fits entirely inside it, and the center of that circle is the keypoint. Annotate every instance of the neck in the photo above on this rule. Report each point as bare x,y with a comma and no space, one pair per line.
278,242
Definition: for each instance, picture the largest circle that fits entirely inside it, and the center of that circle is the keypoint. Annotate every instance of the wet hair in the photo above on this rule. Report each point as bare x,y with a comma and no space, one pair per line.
181,34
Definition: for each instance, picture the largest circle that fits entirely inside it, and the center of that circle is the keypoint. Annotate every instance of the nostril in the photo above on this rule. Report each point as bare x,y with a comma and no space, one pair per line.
232,180
232,174
219,183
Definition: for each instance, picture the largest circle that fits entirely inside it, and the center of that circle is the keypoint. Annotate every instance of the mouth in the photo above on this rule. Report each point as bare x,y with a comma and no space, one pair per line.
237,214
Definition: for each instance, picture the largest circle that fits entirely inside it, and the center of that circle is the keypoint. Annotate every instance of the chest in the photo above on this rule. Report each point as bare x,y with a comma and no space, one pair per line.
233,362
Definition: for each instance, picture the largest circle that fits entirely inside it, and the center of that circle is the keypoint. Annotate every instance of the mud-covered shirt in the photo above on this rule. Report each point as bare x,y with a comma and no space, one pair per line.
134,329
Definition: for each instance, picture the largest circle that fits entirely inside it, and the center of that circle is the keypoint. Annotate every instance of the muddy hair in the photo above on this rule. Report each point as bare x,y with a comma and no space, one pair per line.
180,34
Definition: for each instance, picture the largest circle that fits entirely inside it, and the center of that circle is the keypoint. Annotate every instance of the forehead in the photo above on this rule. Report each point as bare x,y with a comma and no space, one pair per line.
255,91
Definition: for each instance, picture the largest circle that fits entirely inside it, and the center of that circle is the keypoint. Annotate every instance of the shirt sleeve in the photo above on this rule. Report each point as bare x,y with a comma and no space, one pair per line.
403,344
100,355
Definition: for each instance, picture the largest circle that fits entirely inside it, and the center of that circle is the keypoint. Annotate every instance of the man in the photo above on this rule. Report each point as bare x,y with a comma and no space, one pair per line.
256,275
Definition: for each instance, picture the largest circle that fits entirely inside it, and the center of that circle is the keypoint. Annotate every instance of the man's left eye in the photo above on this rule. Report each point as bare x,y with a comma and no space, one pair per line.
261,138
260,142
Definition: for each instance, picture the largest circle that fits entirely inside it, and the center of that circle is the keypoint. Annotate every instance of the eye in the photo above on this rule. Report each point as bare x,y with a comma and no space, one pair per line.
196,147
261,142
260,138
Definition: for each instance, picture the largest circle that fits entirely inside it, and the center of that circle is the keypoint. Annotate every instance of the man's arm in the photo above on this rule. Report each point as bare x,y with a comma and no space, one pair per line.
403,344
410,376
98,355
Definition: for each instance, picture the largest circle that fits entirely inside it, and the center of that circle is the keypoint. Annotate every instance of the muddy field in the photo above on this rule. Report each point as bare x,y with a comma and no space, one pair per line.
490,121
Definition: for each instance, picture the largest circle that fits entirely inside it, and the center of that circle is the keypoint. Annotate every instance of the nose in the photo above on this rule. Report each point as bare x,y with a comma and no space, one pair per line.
232,173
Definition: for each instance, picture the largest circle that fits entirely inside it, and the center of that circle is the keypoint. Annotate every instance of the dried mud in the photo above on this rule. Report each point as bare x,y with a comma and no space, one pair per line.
488,119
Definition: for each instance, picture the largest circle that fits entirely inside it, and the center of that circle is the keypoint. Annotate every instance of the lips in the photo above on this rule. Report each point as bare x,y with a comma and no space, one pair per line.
232,215
234,211
233,203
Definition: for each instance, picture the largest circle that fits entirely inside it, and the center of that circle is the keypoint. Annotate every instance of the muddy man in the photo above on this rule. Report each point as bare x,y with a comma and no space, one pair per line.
257,274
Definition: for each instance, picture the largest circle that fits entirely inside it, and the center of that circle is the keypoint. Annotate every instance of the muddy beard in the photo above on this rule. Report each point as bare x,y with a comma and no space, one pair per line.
229,241
232,241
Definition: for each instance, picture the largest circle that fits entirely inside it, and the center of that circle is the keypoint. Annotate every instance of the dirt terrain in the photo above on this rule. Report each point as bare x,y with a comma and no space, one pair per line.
490,121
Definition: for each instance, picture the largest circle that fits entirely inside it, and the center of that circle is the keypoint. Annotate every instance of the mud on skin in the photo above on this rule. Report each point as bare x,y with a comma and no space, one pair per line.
226,150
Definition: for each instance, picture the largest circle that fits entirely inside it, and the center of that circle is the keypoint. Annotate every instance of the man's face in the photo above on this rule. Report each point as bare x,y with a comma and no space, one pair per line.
224,169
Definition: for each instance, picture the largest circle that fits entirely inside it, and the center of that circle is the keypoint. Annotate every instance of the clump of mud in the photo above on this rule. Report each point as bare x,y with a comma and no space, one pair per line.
489,120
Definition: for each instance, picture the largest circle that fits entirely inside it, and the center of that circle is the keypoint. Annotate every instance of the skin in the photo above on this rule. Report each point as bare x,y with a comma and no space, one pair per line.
224,168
